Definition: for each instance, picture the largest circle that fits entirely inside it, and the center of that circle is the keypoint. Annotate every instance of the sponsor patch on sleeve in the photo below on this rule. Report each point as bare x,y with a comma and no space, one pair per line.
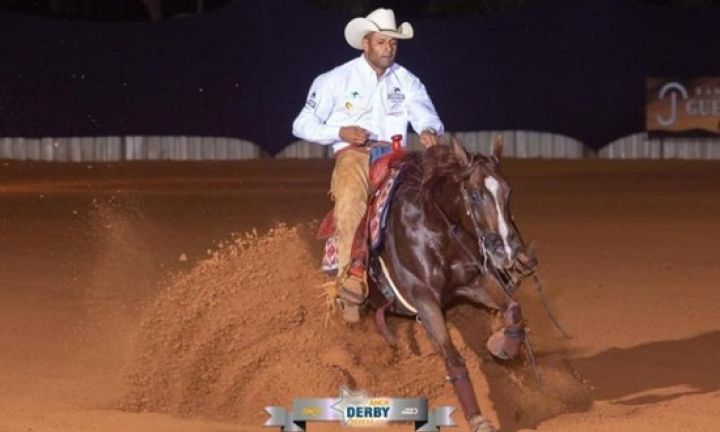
311,102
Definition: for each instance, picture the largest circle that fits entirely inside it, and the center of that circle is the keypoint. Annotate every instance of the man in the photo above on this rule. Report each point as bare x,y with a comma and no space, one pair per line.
370,98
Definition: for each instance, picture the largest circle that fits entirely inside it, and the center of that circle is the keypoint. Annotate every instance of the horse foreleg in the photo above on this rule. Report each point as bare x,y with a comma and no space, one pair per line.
432,319
504,343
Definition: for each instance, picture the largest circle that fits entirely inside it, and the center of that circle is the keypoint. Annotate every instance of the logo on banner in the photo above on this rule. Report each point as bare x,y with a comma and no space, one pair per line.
683,107
671,91
358,409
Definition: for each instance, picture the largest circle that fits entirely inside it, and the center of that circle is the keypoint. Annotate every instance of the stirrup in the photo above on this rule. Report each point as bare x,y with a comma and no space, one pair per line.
353,290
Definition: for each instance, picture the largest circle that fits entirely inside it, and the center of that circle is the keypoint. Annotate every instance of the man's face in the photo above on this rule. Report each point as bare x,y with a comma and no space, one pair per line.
380,50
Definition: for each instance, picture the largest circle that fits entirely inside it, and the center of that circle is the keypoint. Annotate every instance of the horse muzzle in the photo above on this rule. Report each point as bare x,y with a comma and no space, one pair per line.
521,258
495,246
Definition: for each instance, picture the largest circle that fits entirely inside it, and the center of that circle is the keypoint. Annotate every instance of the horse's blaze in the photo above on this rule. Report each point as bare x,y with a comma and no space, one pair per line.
494,187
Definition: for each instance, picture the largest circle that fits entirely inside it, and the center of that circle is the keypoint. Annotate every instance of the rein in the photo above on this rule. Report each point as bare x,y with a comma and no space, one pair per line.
483,267
480,265
508,288
501,275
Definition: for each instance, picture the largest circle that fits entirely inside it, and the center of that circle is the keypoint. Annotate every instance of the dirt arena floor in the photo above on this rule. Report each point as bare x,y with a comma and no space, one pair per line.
185,297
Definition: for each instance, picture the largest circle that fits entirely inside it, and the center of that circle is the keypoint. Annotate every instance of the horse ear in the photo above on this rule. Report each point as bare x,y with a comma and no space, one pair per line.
460,153
497,148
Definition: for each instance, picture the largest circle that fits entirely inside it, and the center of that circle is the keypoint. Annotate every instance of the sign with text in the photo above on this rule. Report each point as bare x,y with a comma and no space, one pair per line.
358,409
683,107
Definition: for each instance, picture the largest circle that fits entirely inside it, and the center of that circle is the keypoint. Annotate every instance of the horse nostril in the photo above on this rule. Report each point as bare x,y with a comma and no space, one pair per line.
499,246
495,245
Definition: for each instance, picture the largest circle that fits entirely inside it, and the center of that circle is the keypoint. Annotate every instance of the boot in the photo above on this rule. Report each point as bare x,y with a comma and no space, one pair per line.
352,293
350,312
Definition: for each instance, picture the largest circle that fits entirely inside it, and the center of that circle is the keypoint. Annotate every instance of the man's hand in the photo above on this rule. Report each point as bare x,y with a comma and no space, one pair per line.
354,135
428,138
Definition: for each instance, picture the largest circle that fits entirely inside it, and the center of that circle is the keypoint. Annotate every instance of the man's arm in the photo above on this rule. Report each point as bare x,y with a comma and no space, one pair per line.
310,123
423,117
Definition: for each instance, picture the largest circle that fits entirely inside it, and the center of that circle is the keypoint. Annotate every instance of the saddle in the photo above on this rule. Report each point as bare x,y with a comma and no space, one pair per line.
383,174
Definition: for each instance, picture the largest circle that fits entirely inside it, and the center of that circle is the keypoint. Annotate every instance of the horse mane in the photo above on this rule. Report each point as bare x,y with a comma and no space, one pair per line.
439,163
428,169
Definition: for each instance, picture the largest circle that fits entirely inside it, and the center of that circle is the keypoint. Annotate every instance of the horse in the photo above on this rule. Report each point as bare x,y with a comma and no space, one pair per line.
450,234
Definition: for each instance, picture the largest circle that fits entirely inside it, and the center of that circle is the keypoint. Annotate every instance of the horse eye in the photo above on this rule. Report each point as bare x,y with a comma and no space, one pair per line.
476,196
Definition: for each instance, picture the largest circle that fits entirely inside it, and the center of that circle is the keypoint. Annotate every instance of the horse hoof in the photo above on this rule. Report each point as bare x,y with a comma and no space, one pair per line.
496,345
479,423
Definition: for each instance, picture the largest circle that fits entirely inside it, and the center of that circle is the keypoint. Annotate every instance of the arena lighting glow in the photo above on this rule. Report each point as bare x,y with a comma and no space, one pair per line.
357,409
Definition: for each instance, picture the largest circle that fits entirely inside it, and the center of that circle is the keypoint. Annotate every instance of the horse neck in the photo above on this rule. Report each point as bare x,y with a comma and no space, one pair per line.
446,196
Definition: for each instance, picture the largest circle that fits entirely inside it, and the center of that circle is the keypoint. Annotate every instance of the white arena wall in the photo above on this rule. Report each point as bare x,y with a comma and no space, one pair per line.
107,149
517,144
640,146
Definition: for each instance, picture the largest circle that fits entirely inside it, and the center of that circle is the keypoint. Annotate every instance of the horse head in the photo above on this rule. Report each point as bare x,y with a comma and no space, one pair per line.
486,212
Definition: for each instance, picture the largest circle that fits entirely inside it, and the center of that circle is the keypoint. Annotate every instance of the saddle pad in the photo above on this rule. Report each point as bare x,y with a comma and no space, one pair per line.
330,261
327,226
379,206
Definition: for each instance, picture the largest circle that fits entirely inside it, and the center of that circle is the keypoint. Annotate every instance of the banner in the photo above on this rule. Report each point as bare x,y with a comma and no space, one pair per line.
683,107
357,409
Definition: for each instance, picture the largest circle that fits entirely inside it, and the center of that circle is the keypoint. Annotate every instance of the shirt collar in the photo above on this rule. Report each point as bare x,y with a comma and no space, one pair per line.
367,69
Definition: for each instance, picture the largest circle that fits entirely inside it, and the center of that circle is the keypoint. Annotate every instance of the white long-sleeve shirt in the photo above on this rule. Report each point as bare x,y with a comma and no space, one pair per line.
353,95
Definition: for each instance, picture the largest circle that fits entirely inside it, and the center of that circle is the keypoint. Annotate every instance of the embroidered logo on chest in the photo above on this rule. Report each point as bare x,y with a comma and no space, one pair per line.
354,102
395,99
396,96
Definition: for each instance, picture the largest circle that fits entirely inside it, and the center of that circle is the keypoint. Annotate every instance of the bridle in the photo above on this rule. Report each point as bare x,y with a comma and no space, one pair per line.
503,276
479,233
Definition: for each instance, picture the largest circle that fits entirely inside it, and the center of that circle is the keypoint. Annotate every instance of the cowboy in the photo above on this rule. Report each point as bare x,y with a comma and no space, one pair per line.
368,99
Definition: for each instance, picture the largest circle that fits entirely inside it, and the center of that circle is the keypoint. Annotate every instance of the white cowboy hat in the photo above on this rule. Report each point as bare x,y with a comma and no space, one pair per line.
380,20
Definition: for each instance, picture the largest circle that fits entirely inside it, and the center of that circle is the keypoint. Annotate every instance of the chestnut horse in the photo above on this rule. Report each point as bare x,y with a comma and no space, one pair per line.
450,234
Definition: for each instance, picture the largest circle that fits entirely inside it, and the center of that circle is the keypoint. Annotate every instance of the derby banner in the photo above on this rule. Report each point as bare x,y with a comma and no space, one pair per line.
357,409
683,107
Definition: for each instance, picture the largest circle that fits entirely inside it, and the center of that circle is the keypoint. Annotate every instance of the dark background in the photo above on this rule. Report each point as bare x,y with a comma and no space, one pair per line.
242,68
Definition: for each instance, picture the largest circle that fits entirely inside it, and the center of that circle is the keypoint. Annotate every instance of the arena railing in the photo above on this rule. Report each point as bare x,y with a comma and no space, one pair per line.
517,144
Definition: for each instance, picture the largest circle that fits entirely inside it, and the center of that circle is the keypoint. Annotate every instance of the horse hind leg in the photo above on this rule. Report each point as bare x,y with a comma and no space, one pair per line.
432,319
505,343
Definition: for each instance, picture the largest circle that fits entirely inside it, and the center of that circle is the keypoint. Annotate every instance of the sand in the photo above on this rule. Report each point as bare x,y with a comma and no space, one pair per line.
186,297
